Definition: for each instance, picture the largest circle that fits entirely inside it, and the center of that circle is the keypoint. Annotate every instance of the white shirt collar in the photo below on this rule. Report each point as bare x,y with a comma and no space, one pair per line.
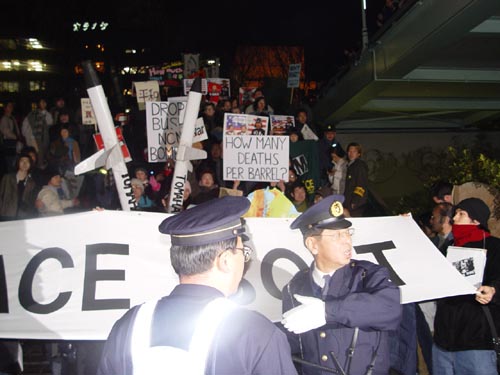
317,276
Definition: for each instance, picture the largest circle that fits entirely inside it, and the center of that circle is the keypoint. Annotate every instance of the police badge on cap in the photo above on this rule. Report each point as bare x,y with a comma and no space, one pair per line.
216,220
328,213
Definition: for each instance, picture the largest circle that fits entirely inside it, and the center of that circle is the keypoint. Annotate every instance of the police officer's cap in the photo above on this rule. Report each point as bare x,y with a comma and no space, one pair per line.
328,213
213,221
330,128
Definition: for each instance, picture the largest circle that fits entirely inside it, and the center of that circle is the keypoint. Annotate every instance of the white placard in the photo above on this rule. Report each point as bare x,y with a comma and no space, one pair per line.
256,157
469,262
88,115
164,122
147,91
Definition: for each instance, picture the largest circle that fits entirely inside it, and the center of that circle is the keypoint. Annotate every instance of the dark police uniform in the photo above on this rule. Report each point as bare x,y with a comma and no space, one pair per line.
356,187
245,342
360,294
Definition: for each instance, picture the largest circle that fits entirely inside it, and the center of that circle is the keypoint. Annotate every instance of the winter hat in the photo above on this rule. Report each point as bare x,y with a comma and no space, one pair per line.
477,210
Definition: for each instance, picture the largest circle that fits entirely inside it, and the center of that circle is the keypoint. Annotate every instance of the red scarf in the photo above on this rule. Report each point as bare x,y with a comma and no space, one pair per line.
466,233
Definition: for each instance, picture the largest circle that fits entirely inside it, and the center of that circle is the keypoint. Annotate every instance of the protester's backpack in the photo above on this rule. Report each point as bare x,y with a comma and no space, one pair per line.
148,360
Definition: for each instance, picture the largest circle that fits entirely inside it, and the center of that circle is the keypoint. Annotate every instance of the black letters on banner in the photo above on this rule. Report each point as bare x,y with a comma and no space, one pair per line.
4,299
376,249
26,284
266,270
92,275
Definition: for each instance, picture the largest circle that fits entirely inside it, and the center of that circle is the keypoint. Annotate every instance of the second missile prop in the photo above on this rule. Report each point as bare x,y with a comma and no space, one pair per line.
186,152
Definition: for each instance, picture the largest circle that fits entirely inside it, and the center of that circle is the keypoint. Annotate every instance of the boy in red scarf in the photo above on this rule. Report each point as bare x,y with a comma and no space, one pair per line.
462,336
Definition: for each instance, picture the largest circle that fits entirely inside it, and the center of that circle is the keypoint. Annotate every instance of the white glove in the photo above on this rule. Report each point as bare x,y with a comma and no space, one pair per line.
309,315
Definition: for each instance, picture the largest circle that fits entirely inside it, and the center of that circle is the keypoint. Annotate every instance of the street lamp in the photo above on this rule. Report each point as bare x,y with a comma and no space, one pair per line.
364,29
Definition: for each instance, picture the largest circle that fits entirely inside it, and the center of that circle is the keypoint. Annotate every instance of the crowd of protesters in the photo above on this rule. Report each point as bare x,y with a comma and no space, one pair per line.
40,149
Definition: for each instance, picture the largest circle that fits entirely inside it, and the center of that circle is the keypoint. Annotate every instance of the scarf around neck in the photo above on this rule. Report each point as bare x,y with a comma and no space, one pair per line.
466,233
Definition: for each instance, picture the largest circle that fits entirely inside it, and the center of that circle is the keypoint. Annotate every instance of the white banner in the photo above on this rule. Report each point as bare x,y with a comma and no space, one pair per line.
71,277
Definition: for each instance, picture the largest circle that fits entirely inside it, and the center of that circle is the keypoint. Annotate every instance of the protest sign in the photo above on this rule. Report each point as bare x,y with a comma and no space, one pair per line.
191,64
469,262
189,82
88,115
281,125
308,134
240,124
167,74
164,126
293,76
148,91
217,89
246,95
255,157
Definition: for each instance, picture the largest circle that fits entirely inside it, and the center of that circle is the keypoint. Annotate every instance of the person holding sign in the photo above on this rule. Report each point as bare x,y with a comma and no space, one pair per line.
462,336
339,311
197,327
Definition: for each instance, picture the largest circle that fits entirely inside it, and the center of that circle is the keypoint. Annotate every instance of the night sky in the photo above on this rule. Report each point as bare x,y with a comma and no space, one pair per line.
325,29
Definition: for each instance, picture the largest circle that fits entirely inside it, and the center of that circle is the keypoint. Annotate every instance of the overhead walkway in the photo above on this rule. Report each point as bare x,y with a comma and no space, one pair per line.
436,65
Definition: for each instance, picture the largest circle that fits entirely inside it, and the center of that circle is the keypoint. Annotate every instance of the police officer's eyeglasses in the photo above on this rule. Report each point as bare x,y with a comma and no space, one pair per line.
247,252
339,235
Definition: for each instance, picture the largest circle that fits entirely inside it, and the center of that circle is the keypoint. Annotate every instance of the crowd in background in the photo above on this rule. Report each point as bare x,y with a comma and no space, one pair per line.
39,150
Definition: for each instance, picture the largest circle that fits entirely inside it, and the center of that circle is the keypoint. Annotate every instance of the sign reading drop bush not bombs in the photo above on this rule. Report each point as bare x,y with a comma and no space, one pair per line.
164,126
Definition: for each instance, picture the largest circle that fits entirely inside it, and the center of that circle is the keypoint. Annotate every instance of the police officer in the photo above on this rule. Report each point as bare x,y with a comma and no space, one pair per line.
209,256
339,311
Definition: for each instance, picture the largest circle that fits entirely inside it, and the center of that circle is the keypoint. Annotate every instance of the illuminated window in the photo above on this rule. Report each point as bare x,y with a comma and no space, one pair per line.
6,86
38,85
36,66
34,43
17,65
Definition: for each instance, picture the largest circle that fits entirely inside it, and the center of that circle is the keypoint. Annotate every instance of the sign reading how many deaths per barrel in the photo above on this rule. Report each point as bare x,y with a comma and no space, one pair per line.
256,157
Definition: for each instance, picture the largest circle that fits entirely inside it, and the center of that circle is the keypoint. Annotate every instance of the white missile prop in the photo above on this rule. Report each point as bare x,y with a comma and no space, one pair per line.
111,156
185,151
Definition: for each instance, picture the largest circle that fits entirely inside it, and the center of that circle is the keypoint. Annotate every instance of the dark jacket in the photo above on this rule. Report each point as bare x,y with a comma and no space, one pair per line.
11,205
460,323
356,187
245,343
360,295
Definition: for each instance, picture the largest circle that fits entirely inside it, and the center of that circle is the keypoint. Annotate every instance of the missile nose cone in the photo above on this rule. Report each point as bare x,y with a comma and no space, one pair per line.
91,78
196,86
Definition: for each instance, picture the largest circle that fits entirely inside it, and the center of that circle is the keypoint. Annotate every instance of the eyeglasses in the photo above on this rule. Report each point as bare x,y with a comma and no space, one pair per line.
247,252
339,235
